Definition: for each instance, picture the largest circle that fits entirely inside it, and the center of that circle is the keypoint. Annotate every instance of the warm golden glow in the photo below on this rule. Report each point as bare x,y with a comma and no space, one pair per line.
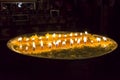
98,39
104,38
86,32
37,44
20,39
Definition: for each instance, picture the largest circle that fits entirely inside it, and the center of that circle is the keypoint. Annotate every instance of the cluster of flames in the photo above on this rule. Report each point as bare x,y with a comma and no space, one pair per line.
37,44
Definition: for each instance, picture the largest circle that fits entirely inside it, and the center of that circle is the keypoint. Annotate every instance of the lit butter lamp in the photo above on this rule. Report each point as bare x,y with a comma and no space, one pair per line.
62,45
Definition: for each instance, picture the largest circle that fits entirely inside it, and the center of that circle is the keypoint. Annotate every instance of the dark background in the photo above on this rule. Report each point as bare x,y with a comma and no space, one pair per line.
95,16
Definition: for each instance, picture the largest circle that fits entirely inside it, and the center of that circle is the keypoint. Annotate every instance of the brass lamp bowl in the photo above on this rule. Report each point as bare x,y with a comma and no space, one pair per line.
62,45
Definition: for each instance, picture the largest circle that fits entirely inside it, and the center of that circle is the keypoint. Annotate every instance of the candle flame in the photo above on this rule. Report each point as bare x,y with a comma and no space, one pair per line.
85,39
76,34
41,43
86,32
71,34
78,41
26,48
54,35
49,45
20,46
92,41
81,34
33,44
63,43
98,39
20,39
65,35
33,39
47,37
104,38
71,41
57,43
27,39
54,42
59,36
40,38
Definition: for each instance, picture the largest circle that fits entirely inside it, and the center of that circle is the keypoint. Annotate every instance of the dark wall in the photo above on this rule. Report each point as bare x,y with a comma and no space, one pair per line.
96,16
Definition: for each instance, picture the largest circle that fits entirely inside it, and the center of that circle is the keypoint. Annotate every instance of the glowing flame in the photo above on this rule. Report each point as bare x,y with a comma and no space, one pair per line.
20,39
